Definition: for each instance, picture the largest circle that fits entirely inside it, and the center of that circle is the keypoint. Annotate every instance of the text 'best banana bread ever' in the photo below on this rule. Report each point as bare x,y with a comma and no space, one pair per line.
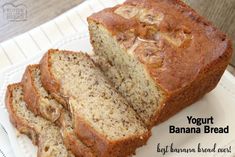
102,118
160,54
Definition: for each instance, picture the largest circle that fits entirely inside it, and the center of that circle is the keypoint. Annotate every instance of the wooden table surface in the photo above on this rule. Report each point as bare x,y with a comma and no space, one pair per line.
38,12
220,12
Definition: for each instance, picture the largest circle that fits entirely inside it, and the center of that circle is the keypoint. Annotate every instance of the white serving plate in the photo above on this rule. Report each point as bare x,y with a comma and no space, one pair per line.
220,103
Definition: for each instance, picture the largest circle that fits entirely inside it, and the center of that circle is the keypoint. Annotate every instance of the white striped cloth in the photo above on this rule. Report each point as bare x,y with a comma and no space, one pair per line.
33,42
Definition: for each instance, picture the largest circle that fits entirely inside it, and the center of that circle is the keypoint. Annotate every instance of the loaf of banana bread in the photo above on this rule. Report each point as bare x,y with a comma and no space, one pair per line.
160,54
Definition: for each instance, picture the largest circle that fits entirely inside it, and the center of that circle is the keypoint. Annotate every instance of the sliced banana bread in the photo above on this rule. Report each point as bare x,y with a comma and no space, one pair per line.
42,132
36,96
102,118
161,55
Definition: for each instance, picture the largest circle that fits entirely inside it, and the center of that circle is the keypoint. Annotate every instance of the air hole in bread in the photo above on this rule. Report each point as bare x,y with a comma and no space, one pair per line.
46,148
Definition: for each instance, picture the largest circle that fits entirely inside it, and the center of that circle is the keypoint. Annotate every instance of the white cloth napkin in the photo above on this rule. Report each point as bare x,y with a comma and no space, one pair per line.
33,42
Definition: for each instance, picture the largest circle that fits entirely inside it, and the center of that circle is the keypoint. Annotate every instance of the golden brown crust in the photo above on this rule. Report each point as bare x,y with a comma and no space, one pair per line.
104,147
71,142
31,96
204,83
180,63
20,124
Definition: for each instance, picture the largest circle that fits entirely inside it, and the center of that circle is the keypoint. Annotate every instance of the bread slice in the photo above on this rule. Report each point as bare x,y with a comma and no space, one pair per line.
161,55
36,96
103,120
42,132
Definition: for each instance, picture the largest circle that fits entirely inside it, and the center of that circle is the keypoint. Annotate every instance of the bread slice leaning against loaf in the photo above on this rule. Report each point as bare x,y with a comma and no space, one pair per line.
161,55
36,97
41,103
42,132
103,120
71,141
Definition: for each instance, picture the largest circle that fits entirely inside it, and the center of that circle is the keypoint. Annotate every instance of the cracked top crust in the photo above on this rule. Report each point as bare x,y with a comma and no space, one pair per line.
173,42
